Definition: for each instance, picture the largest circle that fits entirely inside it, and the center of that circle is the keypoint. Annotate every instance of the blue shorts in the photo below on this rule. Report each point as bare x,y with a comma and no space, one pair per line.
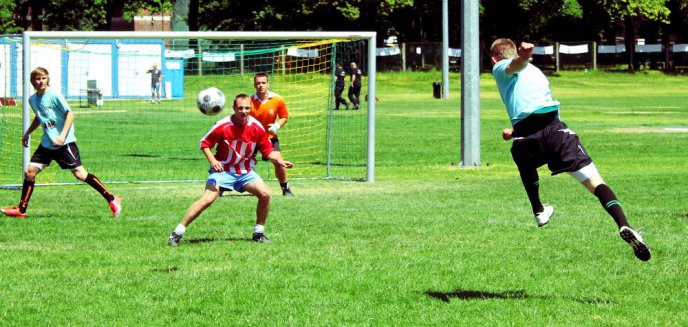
231,181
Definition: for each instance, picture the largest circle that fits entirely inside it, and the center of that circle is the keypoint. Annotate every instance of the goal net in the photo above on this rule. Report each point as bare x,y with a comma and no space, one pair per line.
125,135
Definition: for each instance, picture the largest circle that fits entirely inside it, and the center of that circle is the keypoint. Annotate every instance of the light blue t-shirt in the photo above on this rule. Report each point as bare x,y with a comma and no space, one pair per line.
51,109
525,92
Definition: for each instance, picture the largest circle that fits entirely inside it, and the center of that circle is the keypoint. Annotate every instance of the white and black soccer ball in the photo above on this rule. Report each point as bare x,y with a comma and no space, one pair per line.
210,101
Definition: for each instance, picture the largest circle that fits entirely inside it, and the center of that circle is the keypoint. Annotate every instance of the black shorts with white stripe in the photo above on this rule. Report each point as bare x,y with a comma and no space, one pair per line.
554,144
67,156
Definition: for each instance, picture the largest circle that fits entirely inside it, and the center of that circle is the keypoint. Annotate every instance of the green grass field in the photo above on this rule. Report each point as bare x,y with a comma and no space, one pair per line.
427,244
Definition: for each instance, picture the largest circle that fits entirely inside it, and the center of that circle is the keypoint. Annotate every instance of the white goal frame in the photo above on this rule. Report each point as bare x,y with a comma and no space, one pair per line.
370,37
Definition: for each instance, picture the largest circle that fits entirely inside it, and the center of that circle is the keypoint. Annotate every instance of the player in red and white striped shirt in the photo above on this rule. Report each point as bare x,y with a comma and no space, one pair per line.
235,140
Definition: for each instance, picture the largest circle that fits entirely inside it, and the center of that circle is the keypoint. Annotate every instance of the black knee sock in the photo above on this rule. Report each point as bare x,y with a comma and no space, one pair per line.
27,189
611,204
98,186
531,182
284,185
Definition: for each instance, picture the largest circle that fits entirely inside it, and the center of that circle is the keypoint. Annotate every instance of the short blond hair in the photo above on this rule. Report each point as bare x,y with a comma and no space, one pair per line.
39,71
503,48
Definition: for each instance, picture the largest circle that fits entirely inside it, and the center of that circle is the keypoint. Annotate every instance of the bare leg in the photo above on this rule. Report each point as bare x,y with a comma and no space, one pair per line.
261,191
195,210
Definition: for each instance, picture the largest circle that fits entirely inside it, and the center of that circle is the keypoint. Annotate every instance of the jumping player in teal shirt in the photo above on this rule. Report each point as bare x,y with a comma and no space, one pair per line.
539,138
58,144
531,95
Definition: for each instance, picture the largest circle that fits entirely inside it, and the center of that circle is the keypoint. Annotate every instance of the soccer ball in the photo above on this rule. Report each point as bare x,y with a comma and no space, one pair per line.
210,101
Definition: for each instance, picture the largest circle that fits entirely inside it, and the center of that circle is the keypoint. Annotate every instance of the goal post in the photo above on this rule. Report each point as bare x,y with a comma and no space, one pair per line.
105,73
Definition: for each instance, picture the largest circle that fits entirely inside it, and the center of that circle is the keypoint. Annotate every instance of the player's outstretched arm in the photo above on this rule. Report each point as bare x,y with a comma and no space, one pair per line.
525,52
276,158
215,165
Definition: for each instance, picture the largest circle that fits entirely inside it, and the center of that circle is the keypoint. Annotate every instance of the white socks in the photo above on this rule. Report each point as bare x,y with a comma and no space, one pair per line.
258,229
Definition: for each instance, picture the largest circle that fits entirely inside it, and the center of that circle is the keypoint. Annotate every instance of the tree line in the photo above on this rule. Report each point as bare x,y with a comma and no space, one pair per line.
602,21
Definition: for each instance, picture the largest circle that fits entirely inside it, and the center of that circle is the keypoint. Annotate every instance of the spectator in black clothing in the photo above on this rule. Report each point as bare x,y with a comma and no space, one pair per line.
355,86
339,79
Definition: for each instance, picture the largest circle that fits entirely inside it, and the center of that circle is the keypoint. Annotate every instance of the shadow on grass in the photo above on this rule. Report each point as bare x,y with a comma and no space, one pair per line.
468,295
476,295
165,270
210,239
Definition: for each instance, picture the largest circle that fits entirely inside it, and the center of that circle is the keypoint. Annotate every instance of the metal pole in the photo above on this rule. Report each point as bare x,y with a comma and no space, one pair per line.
445,49
197,35
594,55
556,57
370,167
470,85
403,56
26,93
241,60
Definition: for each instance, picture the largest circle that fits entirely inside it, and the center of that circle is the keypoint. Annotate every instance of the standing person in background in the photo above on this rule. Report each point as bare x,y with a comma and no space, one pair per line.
156,82
339,80
541,138
355,85
271,111
58,143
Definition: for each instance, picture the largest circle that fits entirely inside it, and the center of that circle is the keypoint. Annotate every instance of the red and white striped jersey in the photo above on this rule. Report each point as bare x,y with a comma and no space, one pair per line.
236,145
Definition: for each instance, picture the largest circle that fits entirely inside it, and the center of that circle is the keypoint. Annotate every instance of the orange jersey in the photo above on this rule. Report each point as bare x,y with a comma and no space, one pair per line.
267,112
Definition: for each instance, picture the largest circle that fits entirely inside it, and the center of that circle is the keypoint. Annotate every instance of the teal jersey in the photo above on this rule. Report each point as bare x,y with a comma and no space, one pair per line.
51,109
525,92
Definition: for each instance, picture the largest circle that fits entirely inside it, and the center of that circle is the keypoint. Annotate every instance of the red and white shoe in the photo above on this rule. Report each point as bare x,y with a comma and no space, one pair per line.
13,211
116,206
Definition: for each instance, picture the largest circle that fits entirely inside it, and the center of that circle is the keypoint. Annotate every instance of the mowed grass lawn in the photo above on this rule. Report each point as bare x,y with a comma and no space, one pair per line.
428,244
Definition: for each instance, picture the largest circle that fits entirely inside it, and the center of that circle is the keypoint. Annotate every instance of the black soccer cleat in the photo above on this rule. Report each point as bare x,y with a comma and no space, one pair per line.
174,239
260,238
640,248
287,192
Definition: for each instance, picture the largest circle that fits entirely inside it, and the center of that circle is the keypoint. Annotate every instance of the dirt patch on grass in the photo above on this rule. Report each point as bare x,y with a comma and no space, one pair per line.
651,130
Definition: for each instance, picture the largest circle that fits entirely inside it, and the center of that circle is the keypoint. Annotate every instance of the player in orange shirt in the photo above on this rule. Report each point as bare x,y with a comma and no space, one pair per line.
271,111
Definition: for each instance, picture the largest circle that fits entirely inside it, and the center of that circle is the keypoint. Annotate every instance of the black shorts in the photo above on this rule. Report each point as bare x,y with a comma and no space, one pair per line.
275,147
67,156
554,145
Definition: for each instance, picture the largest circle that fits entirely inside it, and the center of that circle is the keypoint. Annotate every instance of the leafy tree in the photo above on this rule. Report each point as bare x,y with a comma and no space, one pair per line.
75,15
61,14
286,15
528,19
678,20
133,8
7,23
630,11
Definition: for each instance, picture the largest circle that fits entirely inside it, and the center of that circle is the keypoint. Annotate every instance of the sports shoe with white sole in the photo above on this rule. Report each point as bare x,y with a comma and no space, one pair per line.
640,248
174,239
260,238
542,218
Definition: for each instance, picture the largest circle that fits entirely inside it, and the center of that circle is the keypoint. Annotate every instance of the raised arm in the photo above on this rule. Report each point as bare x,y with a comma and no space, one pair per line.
525,52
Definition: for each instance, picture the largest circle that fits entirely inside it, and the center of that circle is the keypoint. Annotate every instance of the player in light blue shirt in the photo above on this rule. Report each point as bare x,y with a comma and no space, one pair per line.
58,144
52,110
531,95
541,138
